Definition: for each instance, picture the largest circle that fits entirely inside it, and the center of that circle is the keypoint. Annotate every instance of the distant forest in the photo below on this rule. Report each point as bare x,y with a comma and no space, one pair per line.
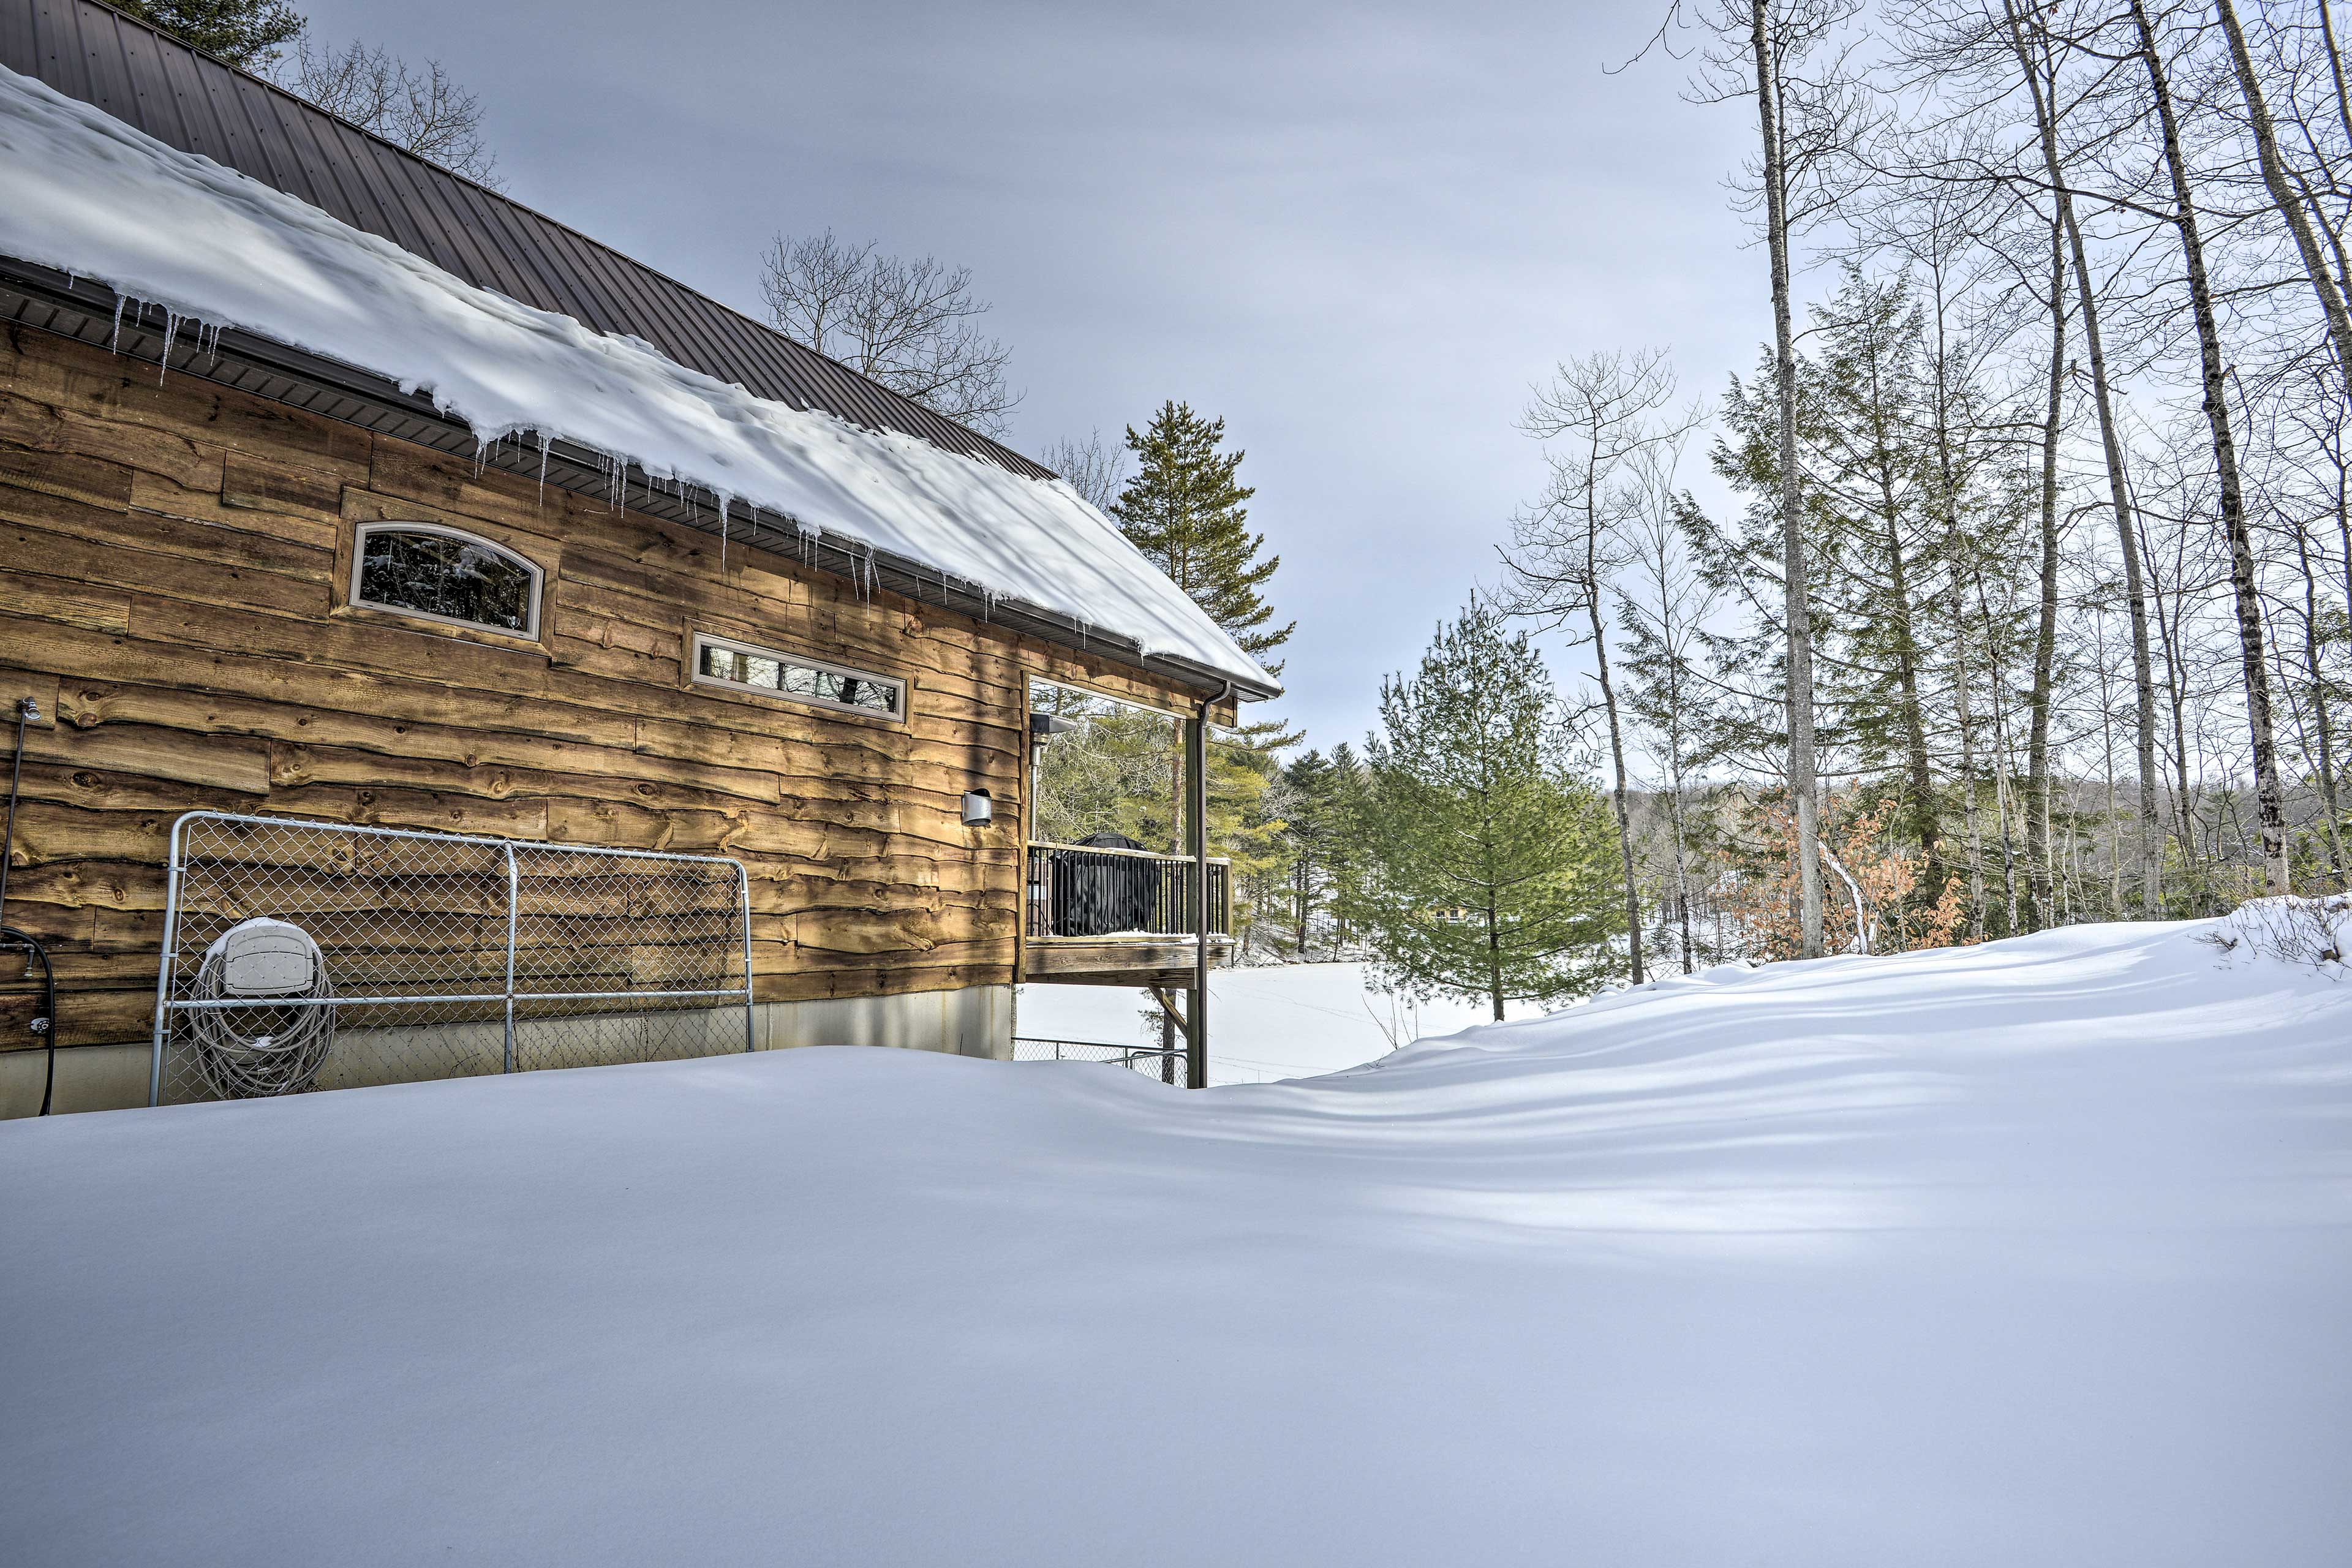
2035,602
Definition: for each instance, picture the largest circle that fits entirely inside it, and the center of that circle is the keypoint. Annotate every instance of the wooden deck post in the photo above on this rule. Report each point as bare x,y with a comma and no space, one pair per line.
1196,790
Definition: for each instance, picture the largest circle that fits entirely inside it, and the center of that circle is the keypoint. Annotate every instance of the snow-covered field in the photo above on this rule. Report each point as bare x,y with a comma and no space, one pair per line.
2038,1253
1281,1021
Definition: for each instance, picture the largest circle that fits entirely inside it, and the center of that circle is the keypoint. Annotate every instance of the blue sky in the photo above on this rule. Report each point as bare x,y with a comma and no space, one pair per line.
1357,232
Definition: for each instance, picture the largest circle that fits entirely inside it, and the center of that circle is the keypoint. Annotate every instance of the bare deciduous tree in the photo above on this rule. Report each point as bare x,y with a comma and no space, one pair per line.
424,111
1094,467
1663,604
2030,43
1784,54
2269,796
2284,195
909,324
1601,418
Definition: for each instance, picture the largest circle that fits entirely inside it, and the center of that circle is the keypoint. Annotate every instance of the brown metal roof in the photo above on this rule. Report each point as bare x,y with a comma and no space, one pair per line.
194,102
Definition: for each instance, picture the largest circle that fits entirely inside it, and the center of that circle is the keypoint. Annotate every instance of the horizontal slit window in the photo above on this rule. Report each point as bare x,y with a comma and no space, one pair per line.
764,671
422,569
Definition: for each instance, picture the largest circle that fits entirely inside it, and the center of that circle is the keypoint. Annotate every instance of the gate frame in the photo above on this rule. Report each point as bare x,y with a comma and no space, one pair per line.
168,962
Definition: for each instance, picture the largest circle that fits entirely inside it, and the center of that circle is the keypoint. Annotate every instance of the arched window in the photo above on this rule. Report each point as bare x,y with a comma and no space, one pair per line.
423,569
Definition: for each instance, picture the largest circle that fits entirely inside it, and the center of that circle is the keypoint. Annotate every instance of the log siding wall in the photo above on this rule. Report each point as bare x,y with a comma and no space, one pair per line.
175,567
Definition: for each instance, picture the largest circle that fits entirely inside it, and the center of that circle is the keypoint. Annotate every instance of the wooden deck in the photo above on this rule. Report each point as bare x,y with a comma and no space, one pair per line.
1105,916
1138,960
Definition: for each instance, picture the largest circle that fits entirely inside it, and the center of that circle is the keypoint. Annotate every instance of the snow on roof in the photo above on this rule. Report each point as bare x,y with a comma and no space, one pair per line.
84,193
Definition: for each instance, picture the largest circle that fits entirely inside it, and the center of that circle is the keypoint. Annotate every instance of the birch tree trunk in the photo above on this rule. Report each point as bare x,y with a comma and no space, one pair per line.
1970,804
2268,799
2283,195
1799,611
2045,634
1617,794
1925,824
2321,721
2005,771
2046,113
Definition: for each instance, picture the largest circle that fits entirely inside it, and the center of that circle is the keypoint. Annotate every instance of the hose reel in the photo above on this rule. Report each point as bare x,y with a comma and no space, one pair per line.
275,1034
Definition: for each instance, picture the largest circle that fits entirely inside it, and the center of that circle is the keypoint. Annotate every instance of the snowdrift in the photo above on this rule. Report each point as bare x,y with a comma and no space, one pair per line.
2035,1253
1270,1022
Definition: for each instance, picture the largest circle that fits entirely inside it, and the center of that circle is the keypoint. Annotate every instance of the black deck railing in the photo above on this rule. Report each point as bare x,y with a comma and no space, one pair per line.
1076,892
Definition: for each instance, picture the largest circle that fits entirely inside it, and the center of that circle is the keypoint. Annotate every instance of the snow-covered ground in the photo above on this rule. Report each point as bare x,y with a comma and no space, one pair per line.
1280,1021
2036,1253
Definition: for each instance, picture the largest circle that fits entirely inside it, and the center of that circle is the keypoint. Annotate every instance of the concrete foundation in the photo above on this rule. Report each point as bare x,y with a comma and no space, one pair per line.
974,1021
93,1078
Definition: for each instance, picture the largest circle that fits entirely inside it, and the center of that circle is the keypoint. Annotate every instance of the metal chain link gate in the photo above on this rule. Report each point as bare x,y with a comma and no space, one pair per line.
437,955
1164,1063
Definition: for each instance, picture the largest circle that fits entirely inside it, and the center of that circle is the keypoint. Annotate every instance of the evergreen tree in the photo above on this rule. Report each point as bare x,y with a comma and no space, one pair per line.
1112,775
1863,421
1247,827
1490,867
1185,510
1310,788
1349,794
1915,546
243,32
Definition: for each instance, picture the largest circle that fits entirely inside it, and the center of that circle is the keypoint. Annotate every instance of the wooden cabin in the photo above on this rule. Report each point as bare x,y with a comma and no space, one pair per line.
239,576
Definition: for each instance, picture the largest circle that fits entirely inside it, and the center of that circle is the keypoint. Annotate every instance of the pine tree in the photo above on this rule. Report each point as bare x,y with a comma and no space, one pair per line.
1185,510
1350,807
242,32
1863,417
1920,547
1111,776
1310,809
1247,827
1490,867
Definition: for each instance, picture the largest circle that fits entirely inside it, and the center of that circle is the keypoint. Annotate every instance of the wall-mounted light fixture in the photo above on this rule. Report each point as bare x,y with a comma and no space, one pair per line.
1043,727
978,808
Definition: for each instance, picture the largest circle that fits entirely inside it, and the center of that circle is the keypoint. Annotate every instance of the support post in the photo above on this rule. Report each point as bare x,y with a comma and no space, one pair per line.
1196,790
750,1005
166,977
514,899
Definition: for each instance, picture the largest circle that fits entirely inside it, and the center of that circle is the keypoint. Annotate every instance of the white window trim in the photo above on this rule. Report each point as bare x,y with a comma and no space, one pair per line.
359,567
824,666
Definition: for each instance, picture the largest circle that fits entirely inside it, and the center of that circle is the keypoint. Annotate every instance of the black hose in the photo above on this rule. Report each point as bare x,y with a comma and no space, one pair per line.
46,1022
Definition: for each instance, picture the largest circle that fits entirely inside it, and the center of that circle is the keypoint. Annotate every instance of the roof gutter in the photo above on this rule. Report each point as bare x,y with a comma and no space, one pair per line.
85,309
